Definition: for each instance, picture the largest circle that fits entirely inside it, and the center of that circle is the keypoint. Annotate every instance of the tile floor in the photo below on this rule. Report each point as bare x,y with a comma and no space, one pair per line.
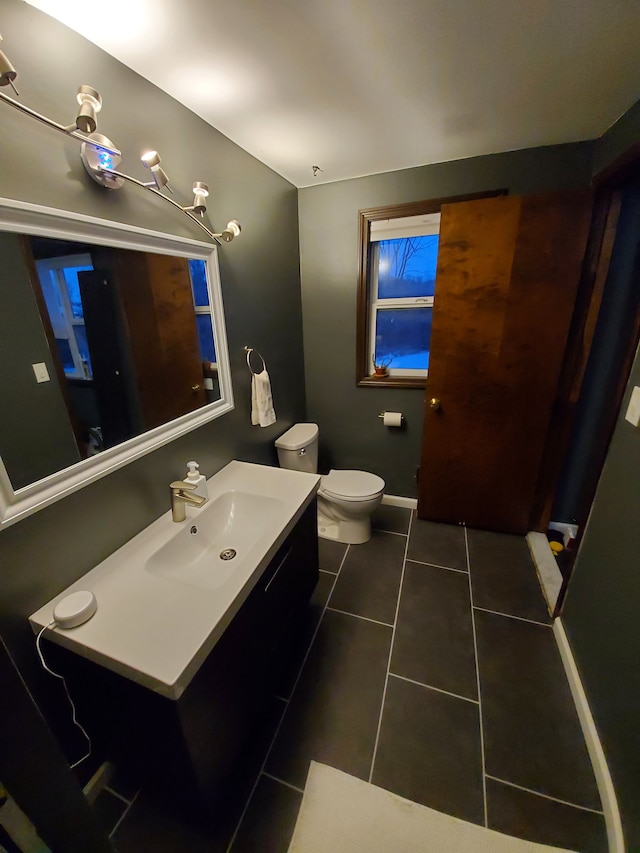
425,664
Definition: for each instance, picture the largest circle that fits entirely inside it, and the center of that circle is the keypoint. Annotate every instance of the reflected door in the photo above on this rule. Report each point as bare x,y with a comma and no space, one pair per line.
157,303
506,284
100,310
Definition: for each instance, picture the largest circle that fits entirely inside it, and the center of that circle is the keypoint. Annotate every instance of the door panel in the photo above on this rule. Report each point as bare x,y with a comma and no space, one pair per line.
507,278
156,298
100,311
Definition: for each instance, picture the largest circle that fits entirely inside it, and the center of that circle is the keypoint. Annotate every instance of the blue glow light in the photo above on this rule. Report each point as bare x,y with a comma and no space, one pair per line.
105,159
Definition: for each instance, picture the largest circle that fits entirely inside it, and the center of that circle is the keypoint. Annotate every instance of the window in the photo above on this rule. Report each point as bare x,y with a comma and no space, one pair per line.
398,256
61,290
404,255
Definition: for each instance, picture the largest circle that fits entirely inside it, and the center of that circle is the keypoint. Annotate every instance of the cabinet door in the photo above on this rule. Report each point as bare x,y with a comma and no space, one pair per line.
290,579
506,284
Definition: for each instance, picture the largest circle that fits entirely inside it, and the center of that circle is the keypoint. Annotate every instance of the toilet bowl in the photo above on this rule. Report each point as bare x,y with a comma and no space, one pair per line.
346,498
346,501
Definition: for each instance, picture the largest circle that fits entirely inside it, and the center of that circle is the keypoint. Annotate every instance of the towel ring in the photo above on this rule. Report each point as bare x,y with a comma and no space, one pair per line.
248,351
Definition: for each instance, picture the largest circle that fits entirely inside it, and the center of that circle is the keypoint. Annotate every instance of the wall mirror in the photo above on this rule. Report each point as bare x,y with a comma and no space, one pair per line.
113,343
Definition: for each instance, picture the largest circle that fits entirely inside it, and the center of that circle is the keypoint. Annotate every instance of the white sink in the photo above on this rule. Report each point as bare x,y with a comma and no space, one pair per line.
209,548
165,597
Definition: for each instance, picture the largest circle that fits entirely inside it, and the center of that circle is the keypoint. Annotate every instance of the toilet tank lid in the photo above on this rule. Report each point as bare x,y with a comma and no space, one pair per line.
298,436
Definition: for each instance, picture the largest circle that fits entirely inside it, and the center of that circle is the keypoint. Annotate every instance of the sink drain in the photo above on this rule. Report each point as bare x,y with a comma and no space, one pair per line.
228,554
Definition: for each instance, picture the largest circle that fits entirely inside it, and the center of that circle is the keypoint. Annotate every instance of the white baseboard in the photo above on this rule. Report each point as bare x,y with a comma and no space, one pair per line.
549,574
398,500
596,753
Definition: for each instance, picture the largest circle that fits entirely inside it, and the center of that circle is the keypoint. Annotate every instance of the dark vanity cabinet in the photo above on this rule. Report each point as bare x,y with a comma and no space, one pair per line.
189,746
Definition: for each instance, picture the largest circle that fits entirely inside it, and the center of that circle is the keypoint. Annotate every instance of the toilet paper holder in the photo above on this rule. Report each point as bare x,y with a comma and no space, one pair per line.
395,419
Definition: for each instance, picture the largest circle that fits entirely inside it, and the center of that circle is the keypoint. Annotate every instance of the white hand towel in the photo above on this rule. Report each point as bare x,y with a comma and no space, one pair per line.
262,411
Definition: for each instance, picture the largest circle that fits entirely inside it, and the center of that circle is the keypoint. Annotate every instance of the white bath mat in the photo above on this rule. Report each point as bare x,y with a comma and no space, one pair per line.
342,814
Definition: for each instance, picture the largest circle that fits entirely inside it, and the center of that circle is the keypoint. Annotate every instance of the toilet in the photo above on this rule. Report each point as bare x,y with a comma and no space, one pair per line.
346,499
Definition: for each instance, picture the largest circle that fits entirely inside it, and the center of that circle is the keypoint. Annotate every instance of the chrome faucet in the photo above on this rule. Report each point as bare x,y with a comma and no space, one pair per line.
180,497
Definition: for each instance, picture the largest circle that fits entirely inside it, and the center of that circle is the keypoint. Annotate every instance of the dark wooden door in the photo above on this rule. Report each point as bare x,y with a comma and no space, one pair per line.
100,311
157,303
507,278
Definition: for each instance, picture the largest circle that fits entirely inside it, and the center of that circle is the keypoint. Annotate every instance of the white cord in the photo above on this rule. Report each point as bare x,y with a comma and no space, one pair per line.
66,690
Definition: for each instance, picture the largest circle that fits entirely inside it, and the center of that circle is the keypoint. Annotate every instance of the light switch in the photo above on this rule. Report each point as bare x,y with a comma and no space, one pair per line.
41,372
633,410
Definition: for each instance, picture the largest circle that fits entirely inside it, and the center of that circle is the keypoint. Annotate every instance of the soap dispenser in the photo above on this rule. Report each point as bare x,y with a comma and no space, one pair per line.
195,478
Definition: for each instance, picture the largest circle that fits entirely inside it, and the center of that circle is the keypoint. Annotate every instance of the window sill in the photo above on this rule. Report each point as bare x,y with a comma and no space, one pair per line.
392,382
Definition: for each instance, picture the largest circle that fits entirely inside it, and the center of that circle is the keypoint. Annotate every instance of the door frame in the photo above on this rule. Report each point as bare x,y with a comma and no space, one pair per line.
608,185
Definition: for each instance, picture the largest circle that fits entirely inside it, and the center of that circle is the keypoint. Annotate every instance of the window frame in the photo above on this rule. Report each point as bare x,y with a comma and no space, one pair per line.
53,269
377,304
366,216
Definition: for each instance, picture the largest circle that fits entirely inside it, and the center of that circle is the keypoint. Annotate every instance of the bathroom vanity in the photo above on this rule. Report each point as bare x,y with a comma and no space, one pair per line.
172,670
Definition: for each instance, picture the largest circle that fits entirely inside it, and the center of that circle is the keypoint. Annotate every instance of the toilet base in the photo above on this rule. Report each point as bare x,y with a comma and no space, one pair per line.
354,531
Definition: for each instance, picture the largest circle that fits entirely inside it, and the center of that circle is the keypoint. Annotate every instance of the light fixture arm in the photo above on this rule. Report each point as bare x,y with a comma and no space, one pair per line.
68,131
151,188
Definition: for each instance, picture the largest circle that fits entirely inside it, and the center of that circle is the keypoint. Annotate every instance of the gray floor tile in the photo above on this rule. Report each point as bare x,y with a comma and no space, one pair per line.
369,580
299,634
429,750
123,782
393,519
330,554
503,576
534,818
433,642
109,809
532,736
333,714
438,544
270,819
152,825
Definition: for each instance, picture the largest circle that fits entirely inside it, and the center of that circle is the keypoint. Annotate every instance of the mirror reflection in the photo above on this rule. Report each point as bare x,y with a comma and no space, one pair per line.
101,344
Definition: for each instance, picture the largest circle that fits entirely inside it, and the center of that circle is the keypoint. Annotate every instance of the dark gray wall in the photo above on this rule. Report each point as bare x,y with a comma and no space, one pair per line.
34,771
621,136
603,600
601,614
350,432
33,413
43,554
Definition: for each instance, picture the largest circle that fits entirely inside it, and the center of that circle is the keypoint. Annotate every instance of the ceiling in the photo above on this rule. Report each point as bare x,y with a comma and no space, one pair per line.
358,87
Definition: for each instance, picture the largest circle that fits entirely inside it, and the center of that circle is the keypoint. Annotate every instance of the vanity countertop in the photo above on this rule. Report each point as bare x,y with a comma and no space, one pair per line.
156,629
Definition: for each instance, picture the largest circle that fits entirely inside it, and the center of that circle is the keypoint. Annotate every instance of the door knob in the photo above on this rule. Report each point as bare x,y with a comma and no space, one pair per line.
195,388
434,403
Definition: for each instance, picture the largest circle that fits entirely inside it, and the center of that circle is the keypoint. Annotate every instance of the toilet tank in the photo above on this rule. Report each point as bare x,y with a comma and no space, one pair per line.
298,448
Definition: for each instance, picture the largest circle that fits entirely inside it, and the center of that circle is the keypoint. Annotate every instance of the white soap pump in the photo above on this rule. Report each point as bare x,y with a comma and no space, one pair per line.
195,478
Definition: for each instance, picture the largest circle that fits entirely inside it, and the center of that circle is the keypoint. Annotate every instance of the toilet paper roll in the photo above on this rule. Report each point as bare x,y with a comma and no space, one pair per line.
392,419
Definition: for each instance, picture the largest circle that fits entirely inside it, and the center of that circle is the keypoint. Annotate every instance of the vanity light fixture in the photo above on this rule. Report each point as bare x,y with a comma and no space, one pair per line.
200,193
151,159
7,72
232,230
103,170
101,158
88,99
90,104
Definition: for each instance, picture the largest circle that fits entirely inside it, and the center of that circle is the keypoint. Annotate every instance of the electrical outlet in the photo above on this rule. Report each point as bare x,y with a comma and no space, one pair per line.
41,372
633,409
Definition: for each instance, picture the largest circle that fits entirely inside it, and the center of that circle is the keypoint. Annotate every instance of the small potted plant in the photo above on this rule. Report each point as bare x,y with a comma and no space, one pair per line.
380,366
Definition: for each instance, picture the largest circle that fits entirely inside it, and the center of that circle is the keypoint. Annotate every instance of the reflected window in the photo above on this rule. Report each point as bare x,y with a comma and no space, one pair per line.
61,290
204,320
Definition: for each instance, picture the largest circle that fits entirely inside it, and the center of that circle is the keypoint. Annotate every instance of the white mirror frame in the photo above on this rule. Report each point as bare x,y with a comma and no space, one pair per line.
25,218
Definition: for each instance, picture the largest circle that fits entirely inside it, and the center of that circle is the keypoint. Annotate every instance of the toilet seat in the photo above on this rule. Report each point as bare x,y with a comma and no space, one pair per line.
348,485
